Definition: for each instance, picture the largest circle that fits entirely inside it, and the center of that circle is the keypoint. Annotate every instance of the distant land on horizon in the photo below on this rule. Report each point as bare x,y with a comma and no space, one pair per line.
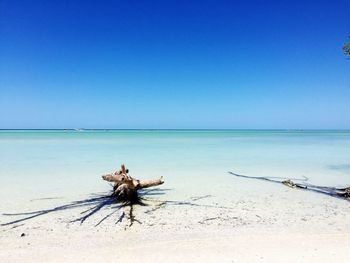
166,129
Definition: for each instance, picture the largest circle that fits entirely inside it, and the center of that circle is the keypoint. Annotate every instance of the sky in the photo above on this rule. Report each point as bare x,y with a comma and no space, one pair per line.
174,64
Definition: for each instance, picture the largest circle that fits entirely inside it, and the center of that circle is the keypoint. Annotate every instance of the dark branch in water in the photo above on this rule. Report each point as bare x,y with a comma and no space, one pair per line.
342,193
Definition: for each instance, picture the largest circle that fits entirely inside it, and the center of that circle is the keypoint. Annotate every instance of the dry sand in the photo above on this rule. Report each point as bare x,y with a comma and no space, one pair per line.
240,222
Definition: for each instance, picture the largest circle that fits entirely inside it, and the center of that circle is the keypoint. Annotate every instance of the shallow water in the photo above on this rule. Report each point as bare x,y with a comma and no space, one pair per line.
54,163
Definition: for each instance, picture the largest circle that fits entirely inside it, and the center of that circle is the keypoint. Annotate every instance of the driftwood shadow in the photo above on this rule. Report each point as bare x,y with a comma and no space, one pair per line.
97,202
94,204
341,193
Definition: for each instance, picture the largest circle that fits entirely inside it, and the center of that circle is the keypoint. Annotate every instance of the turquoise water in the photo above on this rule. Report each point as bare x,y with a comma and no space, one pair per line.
36,163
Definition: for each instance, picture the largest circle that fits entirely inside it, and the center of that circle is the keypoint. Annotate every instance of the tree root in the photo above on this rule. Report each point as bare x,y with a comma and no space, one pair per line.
125,187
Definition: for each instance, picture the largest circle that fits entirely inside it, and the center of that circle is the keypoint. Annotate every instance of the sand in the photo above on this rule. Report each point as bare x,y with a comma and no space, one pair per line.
176,248
243,221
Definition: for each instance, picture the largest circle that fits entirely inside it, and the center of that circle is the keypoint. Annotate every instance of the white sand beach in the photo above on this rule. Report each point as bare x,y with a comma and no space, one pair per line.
200,214
174,131
269,224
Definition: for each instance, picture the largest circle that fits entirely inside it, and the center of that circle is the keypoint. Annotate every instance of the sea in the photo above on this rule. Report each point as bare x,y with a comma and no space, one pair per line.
37,164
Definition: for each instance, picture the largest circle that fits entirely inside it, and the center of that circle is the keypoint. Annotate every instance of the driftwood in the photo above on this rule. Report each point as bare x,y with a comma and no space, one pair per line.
119,204
343,193
126,193
125,187
95,204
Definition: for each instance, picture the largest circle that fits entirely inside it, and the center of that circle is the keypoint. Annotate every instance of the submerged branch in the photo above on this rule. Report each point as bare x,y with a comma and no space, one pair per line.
343,193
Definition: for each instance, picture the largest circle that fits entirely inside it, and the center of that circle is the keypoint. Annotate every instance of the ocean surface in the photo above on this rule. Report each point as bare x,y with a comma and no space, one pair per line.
54,163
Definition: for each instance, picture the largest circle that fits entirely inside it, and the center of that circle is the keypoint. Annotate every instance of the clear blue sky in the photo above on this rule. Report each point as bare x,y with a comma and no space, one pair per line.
174,64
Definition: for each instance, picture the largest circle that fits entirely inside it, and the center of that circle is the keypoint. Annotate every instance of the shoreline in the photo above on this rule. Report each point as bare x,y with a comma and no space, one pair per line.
201,213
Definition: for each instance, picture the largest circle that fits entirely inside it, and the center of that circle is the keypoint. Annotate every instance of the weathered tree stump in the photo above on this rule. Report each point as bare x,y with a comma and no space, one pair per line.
125,187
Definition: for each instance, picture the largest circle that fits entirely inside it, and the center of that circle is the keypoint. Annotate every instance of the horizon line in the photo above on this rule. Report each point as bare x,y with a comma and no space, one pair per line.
174,129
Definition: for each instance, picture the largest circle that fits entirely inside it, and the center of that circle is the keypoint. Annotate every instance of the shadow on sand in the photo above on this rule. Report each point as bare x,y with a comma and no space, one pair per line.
94,205
301,183
98,202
